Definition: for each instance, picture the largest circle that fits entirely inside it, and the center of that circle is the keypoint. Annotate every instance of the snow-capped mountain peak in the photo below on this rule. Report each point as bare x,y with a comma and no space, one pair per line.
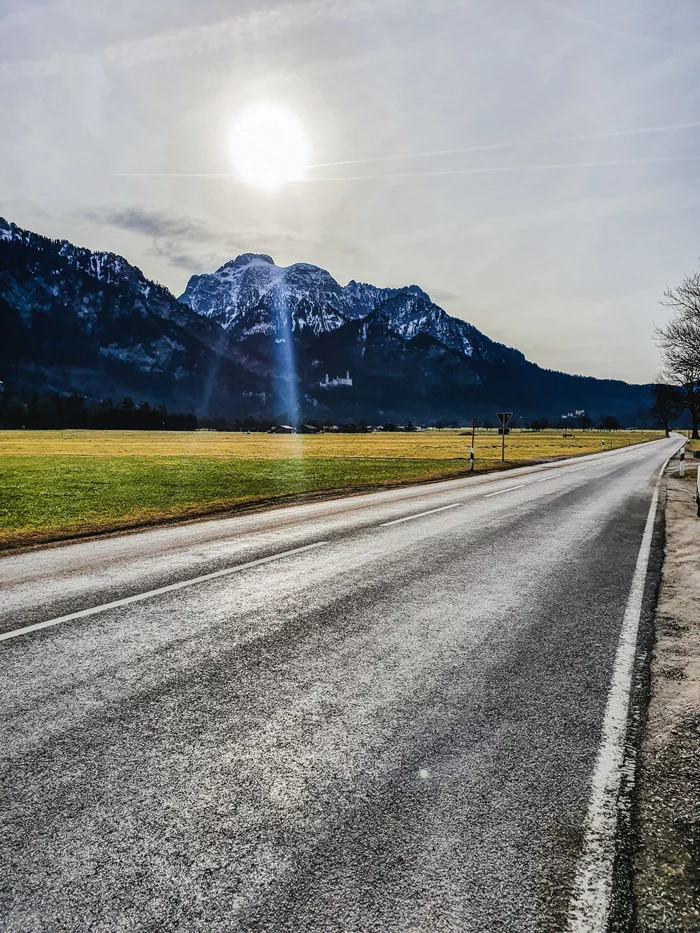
250,296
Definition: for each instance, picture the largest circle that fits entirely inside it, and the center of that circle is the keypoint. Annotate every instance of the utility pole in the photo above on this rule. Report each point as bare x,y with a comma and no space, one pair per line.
471,449
504,417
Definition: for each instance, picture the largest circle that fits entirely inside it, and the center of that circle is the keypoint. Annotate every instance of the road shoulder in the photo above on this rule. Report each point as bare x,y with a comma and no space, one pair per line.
667,858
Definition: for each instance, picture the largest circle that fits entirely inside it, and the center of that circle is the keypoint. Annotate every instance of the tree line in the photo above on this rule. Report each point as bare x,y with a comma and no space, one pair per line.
53,411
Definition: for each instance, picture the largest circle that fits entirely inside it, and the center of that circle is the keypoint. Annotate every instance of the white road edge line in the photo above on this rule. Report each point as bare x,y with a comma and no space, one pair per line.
501,491
589,907
409,518
171,588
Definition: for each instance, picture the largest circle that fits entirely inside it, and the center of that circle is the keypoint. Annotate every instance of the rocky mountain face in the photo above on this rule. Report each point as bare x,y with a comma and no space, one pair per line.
251,295
74,321
257,339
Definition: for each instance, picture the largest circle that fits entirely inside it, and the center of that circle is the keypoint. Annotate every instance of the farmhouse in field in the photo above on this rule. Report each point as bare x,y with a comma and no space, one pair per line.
281,429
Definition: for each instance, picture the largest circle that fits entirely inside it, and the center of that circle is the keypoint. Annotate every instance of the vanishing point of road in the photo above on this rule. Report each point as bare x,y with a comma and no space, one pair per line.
401,711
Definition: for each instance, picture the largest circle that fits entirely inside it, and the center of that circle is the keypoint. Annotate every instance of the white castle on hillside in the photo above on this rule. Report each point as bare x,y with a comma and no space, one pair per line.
338,381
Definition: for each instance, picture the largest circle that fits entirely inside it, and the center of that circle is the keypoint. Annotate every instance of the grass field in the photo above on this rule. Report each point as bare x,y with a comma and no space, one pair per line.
57,484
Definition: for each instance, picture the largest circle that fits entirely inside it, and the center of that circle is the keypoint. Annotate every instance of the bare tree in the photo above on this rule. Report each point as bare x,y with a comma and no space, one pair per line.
679,343
667,406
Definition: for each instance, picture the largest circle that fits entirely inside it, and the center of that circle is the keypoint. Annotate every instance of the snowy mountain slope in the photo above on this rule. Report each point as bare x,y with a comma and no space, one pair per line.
91,323
251,295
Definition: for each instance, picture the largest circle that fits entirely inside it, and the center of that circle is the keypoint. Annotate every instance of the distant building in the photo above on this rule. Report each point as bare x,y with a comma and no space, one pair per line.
327,383
307,429
281,429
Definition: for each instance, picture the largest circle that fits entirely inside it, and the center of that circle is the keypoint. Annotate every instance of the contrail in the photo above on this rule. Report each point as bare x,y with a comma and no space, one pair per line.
674,127
173,175
493,147
503,169
613,30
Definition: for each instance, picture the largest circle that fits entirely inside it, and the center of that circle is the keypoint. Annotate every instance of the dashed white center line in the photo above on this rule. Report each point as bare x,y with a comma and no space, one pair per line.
171,588
501,491
560,473
409,518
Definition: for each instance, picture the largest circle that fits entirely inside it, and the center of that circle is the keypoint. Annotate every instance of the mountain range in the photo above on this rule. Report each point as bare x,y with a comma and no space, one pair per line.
254,338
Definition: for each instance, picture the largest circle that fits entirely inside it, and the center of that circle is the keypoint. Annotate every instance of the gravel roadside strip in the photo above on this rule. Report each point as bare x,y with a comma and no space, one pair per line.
667,860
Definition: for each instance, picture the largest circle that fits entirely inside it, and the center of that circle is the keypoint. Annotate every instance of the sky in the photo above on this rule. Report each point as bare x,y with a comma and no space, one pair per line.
534,165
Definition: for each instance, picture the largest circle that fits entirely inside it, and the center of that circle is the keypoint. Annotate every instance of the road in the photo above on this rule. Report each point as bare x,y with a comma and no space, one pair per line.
377,713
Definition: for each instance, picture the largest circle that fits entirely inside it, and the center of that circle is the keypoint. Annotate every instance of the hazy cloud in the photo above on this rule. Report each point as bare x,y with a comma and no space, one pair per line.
193,245
282,19
154,224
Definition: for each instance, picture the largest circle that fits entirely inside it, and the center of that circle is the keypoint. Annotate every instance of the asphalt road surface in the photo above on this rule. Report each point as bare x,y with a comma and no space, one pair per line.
378,713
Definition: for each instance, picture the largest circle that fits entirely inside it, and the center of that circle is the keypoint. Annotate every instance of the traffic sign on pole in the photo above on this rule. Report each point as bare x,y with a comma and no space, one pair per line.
504,417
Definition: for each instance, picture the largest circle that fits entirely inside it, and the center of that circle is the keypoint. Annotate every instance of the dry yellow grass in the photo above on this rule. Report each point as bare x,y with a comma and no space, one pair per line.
57,484
429,445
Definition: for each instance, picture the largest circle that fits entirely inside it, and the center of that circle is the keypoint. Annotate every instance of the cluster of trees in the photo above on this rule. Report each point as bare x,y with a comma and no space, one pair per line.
52,410
265,424
584,422
679,343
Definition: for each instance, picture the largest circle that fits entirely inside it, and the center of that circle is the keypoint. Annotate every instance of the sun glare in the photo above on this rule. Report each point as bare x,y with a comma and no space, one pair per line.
269,146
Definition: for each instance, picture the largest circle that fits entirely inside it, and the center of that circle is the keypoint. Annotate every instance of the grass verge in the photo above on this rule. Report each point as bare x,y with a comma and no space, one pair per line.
49,498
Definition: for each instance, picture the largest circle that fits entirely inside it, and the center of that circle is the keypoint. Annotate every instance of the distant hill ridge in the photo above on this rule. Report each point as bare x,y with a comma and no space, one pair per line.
254,338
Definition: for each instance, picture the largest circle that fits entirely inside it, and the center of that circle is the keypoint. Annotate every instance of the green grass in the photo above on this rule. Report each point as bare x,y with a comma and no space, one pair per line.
44,498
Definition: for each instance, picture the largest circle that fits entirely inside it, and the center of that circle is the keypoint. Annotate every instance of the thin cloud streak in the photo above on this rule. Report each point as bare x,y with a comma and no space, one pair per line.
613,30
493,147
501,169
506,169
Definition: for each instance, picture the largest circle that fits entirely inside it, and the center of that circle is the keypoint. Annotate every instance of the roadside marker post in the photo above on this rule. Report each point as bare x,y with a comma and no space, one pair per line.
504,417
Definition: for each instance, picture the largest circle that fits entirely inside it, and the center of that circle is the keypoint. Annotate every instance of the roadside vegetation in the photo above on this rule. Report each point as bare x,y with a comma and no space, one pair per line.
59,484
679,344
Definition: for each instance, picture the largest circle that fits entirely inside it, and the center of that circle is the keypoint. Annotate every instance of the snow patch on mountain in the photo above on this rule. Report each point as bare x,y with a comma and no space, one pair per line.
251,295
291,298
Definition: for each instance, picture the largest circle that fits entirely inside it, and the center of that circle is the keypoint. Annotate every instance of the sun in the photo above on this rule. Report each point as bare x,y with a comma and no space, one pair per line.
269,146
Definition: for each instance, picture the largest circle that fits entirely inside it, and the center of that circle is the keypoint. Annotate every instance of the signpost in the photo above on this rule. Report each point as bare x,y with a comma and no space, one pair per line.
503,417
